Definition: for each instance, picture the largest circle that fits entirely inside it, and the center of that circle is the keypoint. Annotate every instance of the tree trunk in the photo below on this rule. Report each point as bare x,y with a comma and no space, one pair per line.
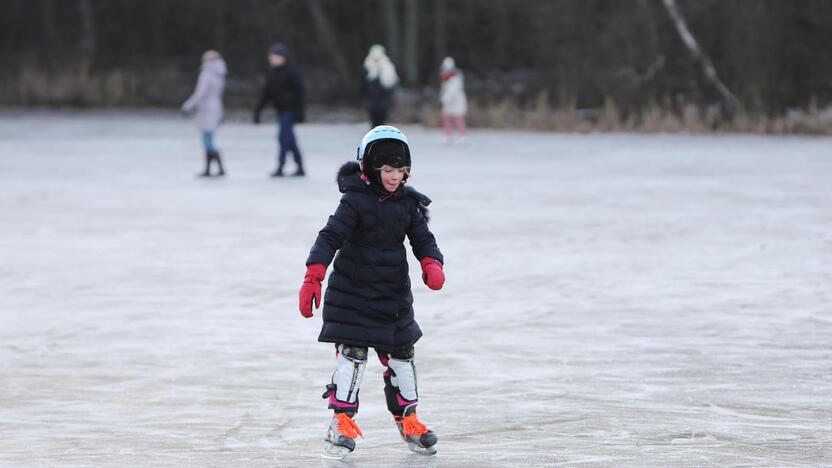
440,34
391,28
11,13
87,44
157,28
329,42
219,26
728,99
50,34
411,41
650,27
501,34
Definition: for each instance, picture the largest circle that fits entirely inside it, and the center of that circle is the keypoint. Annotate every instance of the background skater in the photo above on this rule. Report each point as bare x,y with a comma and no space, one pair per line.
206,100
284,89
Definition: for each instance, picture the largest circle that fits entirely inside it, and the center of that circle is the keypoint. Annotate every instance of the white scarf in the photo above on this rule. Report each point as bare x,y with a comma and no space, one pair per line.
383,69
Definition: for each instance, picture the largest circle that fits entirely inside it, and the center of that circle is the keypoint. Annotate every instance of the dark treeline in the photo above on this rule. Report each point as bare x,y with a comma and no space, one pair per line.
582,53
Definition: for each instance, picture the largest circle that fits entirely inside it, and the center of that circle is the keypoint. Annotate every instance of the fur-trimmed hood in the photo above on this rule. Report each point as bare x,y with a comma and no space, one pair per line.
349,180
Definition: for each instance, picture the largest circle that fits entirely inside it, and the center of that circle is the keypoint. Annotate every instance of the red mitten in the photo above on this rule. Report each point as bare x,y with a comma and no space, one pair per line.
432,273
311,289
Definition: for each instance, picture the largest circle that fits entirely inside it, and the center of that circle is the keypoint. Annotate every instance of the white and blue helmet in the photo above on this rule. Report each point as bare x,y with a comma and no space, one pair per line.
396,154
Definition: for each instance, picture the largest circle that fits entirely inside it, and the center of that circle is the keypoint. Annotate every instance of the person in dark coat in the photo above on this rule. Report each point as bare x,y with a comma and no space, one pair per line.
368,302
284,89
378,84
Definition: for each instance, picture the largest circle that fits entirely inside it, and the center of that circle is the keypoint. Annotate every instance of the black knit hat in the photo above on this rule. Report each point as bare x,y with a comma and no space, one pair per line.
279,49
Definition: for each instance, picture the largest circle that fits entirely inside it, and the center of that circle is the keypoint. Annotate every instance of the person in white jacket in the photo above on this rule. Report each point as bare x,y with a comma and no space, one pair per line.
206,100
452,97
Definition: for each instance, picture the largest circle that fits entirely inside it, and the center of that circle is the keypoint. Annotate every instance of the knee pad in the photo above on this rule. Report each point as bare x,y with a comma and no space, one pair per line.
404,353
346,380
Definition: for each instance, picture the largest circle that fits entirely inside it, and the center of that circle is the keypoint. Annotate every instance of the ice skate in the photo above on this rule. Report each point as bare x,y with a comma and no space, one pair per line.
340,437
215,156
207,171
278,172
419,438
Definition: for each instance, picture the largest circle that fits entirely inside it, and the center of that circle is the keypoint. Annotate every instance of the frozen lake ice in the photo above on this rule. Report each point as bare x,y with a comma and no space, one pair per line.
611,300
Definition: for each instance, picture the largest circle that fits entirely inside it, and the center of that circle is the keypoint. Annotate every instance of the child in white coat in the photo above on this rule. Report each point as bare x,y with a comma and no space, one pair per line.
452,97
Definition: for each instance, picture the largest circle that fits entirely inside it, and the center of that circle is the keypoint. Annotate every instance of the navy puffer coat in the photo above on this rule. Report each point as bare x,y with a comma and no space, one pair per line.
368,301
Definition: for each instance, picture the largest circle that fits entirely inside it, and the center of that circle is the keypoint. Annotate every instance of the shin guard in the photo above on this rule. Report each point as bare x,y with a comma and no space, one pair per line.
342,392
400,388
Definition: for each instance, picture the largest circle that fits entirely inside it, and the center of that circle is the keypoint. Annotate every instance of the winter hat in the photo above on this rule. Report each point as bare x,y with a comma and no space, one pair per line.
448,64
376,52
209,55
279,49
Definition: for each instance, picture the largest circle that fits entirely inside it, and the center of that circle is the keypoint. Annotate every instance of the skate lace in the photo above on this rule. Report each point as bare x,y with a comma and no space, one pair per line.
412,426
347,426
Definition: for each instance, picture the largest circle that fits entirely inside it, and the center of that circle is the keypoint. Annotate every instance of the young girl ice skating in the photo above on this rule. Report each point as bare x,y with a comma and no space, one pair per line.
452,97
368,302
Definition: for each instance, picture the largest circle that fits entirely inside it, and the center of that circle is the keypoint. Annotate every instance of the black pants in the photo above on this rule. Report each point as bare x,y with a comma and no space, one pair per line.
378,117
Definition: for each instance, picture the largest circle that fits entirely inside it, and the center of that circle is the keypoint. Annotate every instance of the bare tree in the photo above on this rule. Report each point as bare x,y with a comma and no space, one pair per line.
391,28
48,24
219,12
651,33
580,52
157,28
330,43
440,34
87,44
502,36
411,41
728,98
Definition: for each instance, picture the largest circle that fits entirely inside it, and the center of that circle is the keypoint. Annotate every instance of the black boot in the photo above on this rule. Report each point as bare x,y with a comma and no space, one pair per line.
299,172
207,171
278,172
215,155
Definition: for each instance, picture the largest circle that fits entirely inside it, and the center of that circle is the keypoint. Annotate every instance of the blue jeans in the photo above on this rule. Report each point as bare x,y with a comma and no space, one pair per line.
208,141
286,139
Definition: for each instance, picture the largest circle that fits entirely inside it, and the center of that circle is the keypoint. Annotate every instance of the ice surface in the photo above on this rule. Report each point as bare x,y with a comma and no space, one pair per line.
612,300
